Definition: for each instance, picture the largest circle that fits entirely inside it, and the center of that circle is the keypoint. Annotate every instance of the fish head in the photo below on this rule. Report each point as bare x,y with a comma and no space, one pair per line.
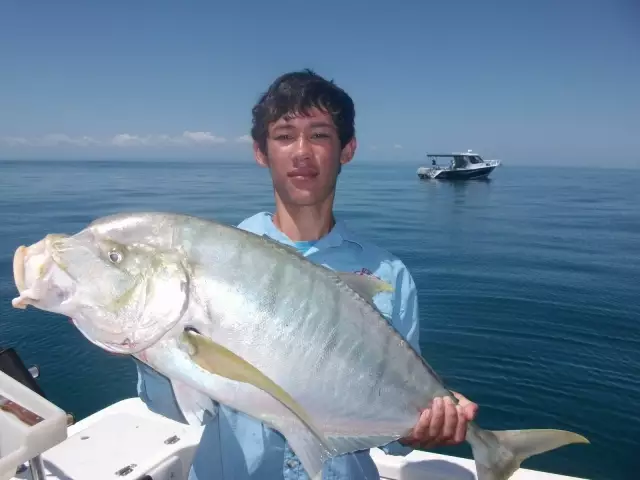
123,286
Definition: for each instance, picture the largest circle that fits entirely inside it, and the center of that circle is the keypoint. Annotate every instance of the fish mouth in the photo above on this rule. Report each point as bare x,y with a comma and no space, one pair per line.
18,268
27,293
30,266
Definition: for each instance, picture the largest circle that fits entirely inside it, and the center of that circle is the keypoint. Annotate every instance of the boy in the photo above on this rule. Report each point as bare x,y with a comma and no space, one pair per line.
303,132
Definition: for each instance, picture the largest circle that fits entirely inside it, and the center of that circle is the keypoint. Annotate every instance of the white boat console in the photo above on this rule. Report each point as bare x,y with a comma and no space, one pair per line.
29,425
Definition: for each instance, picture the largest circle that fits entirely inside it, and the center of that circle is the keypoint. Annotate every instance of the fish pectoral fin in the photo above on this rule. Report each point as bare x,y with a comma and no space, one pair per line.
366,285
193,404
219,360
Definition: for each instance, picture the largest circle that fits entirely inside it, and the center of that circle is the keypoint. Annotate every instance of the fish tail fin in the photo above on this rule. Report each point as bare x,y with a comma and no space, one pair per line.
498,454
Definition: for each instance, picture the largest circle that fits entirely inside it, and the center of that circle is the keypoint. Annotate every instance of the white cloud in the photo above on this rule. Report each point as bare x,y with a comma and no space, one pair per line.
14,141
121,140
398,146
126,140
49,140
54,139
186,139
244,139
202,138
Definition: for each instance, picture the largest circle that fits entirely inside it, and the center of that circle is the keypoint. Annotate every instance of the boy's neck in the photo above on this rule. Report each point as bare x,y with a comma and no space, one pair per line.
304,223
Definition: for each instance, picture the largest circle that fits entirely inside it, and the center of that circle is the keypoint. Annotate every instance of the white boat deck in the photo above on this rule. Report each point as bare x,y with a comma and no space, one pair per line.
127,441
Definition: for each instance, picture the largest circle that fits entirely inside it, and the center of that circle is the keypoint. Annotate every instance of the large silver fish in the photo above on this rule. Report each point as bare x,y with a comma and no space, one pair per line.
235,317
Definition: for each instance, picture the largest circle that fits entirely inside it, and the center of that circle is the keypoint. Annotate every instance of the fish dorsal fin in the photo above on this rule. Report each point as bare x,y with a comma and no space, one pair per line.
367,286
290,249
279,245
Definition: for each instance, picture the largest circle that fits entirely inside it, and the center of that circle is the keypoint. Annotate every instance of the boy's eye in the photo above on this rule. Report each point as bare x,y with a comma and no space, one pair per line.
289,137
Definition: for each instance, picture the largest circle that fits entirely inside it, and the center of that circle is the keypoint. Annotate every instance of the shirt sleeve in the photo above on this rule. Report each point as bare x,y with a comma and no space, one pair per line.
405,319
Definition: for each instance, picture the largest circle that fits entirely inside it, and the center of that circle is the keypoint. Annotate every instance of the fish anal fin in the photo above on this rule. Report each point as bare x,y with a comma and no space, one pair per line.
365,285
193,404
309,450
345,444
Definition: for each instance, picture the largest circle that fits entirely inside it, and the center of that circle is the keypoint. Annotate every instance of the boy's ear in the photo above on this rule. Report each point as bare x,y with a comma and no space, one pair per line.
348,151
261,157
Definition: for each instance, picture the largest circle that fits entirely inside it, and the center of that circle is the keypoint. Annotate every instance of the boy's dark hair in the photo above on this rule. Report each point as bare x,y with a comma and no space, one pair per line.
296,93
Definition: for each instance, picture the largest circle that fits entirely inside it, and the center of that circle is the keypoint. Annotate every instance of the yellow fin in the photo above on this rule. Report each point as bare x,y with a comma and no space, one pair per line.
219,360
366,285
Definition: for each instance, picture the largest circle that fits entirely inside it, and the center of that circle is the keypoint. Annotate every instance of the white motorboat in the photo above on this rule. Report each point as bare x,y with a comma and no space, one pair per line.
462,166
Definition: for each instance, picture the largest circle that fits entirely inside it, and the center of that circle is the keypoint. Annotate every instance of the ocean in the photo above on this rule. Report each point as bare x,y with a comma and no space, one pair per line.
529,283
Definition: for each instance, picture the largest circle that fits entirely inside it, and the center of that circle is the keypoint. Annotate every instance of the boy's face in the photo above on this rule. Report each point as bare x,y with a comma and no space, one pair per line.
304,156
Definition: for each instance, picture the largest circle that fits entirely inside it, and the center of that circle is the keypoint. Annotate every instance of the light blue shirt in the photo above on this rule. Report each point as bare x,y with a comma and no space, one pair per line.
234,446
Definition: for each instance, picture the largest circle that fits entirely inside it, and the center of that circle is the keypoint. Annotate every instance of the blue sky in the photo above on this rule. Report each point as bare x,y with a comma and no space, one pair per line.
528,82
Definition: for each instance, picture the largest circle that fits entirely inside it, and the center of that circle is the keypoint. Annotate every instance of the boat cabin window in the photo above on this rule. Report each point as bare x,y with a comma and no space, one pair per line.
475,159
459,161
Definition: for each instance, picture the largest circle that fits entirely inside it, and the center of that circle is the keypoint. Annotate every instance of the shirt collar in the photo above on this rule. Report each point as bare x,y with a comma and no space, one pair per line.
336,237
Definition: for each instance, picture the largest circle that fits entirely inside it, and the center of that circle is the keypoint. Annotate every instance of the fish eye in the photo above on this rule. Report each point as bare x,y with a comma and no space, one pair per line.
115,256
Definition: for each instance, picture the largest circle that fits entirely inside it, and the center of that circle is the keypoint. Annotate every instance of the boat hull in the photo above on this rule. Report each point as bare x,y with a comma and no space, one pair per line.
458,174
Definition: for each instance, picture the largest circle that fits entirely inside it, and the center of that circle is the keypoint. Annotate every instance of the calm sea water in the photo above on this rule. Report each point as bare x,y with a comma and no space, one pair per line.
529,284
